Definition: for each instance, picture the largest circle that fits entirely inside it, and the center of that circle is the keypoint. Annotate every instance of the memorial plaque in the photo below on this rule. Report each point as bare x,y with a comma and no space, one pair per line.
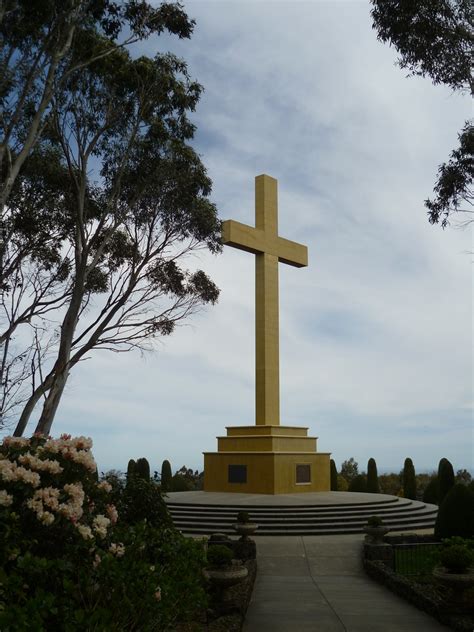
237,473
303,473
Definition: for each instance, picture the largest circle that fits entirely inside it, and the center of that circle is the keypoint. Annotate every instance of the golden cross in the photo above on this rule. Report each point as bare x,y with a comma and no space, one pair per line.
269,248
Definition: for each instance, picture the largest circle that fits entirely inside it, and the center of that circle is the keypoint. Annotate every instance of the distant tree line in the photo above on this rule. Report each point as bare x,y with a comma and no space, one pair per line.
429,487
183,480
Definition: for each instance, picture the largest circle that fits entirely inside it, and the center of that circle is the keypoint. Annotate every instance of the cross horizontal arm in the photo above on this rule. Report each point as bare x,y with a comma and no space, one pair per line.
243,237
292,253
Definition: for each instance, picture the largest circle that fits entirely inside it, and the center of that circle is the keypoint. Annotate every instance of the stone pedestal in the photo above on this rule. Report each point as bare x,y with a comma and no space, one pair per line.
266,459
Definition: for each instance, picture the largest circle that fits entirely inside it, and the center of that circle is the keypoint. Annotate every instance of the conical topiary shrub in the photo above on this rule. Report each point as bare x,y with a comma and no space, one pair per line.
456,513
409,480
131,467
166,476
372,477
445,479
430,494
142,469
333,476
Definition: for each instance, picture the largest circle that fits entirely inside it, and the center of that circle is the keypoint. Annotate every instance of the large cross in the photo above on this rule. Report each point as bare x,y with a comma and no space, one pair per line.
269,248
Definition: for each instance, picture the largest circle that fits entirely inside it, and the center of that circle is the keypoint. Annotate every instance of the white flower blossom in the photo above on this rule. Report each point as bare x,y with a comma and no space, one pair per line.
5,499
105,485
43,465
117,549
85,531
10,471
15,442
100,525
47,517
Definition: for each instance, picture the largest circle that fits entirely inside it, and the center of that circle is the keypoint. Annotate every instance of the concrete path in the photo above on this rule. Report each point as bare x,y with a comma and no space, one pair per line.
317,583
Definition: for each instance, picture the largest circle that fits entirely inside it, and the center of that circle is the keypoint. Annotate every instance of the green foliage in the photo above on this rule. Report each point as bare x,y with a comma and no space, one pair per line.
349,469
454,184
390,483
142,469
166,476
456,558
445,478
131,468
342,484
243,516
434,39
358,484
464,477
100,557
430,494
372,477
186,480
142,499
219,556
423,479
456,513
333,476
374,521
180,483
140,195
409,480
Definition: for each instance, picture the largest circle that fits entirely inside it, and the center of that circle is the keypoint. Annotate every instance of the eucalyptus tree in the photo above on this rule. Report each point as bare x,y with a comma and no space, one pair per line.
43,46
125,122
434,38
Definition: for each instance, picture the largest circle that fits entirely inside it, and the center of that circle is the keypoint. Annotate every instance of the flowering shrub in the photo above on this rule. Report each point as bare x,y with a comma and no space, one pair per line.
68,559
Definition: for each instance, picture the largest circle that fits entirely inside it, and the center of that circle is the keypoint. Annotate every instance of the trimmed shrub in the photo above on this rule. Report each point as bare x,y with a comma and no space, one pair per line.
431,492
333,476
166,476
142,469
358,484
409,480
219,556
456,513
456,558
243,516
372,477
131,468
445,479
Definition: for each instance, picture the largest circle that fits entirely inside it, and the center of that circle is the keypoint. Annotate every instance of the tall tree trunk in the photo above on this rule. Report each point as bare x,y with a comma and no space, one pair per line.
30,405
52,402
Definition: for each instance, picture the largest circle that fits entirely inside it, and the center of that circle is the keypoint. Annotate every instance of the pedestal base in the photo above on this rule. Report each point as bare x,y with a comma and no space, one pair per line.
267,460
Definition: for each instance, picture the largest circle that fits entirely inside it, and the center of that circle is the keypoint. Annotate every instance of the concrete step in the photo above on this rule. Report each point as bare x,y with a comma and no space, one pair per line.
346,506
400,514
330,530
261,515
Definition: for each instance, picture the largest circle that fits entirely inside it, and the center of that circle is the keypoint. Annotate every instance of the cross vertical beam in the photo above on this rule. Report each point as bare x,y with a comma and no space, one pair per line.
270,249
267,356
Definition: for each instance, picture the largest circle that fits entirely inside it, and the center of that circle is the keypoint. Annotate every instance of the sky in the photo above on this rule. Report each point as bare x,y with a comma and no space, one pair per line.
375,334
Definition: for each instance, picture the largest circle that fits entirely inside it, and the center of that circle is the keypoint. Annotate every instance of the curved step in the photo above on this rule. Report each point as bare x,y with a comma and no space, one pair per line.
400,514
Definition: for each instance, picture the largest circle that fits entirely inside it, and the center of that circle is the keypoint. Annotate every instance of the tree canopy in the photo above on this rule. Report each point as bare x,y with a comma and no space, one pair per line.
107,203
435,39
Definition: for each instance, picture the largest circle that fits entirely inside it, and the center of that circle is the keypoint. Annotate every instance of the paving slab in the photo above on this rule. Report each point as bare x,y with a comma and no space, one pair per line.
317,583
